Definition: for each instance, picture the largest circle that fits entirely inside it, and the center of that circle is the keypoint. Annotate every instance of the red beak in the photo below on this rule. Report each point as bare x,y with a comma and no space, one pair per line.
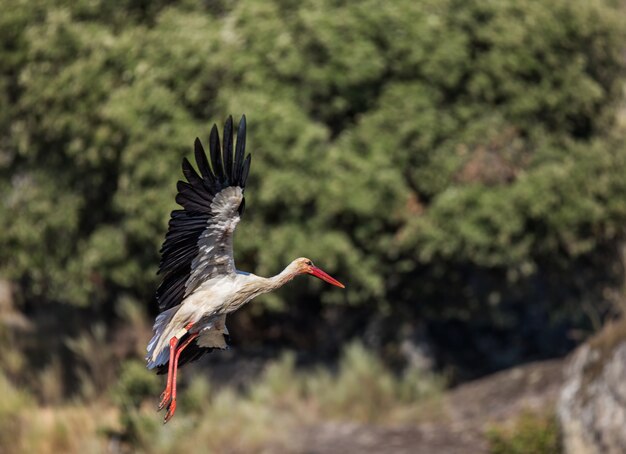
315,271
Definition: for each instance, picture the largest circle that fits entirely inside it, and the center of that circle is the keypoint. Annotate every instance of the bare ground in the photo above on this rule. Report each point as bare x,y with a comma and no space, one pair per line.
470,409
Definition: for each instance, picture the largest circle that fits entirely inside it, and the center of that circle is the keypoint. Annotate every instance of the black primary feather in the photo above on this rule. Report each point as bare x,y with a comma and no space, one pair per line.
216,154
195,196
240,150
228,149
201,161
245,168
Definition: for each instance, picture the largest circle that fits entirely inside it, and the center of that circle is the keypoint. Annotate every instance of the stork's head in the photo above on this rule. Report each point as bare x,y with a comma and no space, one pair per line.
305,266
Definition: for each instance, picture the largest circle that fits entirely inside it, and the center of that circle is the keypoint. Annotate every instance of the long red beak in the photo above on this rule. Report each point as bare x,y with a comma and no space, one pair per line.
315,271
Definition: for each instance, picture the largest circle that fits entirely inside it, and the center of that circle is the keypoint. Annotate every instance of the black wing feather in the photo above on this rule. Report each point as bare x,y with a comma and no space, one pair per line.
201,161
240,150
216,154
190,173
228,150
245,168
190,198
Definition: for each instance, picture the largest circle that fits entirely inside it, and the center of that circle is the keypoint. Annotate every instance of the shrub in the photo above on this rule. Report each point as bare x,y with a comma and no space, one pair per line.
534,433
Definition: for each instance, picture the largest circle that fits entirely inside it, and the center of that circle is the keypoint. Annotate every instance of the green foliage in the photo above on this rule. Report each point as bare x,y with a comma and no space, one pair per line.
136,384
439,152
362,389
532,433
95,363
365,390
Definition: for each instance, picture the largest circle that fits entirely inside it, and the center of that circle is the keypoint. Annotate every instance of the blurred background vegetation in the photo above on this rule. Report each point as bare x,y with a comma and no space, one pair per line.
460,165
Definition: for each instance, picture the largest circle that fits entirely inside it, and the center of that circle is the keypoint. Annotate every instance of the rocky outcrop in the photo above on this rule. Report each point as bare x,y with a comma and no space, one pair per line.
592,405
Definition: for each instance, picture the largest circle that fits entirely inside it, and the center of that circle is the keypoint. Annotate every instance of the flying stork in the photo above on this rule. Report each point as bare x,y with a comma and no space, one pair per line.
200,285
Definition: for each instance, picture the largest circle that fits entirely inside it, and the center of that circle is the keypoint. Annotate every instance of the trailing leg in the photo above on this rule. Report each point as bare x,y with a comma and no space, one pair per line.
171,409
167,394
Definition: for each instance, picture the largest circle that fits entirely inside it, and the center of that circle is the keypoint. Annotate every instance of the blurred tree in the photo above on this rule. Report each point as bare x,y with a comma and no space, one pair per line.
456,162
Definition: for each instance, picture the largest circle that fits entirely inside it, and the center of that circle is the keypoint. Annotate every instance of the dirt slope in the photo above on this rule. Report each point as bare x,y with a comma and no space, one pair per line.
470,409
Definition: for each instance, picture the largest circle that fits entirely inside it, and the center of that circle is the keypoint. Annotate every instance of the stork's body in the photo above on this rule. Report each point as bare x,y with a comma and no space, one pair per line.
201,285
206,308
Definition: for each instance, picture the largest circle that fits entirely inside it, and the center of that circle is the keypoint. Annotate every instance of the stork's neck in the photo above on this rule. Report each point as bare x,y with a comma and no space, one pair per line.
252,285
276,282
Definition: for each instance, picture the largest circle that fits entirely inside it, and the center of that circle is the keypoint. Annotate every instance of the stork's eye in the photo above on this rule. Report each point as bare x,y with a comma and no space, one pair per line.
309,263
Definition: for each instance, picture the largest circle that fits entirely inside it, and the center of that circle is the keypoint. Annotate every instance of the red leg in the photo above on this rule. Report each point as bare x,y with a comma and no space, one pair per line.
171,409
167,394
165,397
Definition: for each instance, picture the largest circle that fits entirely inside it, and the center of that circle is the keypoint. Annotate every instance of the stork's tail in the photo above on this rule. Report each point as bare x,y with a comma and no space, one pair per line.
157,354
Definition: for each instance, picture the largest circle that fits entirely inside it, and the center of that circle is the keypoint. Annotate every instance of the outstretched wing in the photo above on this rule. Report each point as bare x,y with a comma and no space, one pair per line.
199,243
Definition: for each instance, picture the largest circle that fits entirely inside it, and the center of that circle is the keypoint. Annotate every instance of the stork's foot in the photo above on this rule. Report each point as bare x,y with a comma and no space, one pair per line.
171,409
166,396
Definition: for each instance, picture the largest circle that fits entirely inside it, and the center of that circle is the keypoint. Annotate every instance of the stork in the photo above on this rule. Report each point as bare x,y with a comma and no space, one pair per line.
200,285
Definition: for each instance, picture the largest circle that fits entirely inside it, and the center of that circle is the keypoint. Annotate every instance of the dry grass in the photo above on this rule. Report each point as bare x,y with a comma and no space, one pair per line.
27,428
259,419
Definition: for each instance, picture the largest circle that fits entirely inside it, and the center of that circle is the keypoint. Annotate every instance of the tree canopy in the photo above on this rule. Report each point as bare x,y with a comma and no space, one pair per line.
450,161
